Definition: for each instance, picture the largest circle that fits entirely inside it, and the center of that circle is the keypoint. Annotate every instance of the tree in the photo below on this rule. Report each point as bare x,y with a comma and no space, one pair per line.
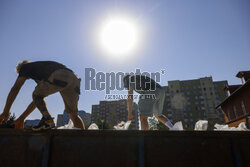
102,125
154,124
161,126
9,123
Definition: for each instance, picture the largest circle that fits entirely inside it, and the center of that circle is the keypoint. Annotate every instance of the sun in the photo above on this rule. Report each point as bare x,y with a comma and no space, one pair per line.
119,36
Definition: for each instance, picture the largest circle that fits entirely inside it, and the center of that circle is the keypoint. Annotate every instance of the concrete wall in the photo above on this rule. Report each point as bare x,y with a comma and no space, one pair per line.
123,148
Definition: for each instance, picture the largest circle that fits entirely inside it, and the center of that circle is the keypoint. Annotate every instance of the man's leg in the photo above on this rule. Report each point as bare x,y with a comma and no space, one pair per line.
163,119
72,109
42,90
19,123
41,105
4,117
77,121
70,97
144,122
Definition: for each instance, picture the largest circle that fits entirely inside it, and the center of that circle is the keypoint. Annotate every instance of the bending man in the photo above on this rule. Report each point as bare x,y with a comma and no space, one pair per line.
51,77
151,100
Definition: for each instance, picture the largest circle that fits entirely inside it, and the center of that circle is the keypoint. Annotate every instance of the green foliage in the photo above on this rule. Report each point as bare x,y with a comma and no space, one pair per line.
152,122
103,125
155,124
28,126
161,126
9,123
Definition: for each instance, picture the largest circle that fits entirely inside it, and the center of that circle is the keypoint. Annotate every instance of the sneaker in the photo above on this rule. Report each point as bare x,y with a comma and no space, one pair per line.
44,124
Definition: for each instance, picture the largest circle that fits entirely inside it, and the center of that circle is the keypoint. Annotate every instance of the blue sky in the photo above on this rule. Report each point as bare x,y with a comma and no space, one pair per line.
189,39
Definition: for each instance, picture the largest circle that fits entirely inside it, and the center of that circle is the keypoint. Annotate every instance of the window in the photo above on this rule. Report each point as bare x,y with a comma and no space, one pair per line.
235,111
243,107
228,115
204,89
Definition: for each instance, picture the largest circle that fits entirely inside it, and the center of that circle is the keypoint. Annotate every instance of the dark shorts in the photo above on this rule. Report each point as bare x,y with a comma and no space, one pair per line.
65,82
151,102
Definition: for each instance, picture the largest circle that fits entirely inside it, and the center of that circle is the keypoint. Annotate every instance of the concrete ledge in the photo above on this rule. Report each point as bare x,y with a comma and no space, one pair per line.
123,148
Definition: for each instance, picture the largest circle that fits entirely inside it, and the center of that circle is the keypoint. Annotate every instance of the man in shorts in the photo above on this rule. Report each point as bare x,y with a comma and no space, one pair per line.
51,77
151,101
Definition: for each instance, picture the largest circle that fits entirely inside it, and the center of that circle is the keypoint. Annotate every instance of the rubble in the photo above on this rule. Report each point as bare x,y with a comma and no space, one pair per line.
201,125
70,125
241,127
93,126
122,125
177,126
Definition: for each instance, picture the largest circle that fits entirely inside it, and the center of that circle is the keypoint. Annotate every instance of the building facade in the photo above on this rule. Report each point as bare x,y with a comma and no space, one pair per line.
63,119
114,112
31,123
236,107
192,100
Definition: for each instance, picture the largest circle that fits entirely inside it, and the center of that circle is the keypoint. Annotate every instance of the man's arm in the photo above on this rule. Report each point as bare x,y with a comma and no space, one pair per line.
19,123
130,104
11,97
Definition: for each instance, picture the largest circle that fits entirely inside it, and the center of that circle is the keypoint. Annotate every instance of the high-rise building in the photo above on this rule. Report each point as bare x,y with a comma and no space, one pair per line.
192,100
114,112
63,119
30,123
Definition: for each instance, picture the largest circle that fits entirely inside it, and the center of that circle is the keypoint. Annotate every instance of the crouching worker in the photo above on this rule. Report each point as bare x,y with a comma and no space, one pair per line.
151,101
51,77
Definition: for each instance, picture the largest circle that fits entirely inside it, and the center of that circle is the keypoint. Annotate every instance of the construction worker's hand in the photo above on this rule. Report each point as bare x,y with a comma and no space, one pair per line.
130,117
19,124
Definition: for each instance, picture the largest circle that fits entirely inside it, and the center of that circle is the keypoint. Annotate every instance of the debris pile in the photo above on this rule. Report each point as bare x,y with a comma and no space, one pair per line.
241,127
